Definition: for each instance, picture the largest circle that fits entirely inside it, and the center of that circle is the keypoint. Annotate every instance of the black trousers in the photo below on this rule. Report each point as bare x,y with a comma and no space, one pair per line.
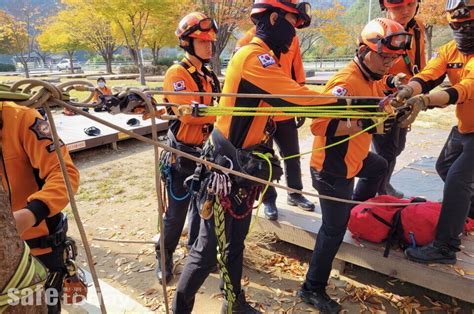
389,146
54,262
286,138
336,214
455,166
175,216
202,260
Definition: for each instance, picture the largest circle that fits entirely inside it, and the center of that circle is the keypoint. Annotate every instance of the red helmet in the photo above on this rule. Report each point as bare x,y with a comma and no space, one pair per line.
385,36
197,25
459,11
384,4
301,9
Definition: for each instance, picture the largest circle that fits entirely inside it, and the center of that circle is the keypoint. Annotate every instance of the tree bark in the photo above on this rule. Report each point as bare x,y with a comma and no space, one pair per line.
108,57
25,68
429,42
71,62
11,248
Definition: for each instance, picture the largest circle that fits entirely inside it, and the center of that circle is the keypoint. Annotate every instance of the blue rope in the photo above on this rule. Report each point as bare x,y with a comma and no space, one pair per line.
169,179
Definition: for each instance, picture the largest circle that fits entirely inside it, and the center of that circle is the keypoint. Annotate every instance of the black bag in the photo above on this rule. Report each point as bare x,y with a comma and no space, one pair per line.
254,165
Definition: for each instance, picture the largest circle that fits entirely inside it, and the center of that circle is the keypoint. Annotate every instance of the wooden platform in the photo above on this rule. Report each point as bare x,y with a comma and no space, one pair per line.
71,129
300,228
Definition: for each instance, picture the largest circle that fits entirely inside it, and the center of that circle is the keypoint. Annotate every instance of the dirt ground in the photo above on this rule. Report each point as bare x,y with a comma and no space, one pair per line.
117,201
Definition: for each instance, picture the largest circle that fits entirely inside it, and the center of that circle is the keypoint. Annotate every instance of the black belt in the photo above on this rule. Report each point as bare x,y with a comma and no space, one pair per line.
53,240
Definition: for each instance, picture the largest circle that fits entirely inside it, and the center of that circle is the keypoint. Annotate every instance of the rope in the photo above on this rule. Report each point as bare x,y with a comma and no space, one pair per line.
219,222
22,279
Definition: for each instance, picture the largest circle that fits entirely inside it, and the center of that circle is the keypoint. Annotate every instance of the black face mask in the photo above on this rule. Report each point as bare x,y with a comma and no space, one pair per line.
279,36
359,60
464,38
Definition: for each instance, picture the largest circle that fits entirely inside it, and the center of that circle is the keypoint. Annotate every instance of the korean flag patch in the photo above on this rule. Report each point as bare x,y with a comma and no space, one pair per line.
339,91
266,60
179,86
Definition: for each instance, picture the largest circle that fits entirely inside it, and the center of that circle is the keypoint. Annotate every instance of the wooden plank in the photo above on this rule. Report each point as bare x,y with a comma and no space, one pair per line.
299,228
71,129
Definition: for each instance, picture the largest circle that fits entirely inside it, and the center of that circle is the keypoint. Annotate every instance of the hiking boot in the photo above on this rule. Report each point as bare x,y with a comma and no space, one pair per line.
240,306
320,300
394,192
168,267
270,210
299,200
431,254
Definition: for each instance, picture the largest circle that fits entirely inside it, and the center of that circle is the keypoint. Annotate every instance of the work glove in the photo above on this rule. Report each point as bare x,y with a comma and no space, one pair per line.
383,125
404,92
414,106
397,80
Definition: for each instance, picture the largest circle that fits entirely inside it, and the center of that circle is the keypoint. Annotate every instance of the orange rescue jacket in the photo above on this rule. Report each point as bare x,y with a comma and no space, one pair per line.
291,62
254,69
460,70
33,176
189,130
345,159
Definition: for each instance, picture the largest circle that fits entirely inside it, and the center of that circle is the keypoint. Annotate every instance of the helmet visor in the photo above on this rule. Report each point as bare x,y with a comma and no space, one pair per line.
204,25
400,41
456,4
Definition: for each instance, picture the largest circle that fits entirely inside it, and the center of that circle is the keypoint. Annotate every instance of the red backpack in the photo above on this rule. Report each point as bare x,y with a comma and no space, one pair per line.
412,225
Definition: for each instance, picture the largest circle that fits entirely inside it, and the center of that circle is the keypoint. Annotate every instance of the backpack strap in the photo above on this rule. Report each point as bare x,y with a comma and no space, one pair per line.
395,234
195,75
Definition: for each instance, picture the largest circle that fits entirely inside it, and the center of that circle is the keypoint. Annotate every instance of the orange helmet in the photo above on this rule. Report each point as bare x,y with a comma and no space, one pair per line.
301,9
384,4
385,36
197,25
459,11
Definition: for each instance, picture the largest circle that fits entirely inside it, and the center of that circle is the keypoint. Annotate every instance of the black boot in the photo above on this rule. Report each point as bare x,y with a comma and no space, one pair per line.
431,254
394,192
270,210
240,306
320,300
299,200
168,267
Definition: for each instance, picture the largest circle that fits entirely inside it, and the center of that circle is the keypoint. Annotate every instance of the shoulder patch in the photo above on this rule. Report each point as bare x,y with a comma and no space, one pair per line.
339,91
266,60
179,86
41,129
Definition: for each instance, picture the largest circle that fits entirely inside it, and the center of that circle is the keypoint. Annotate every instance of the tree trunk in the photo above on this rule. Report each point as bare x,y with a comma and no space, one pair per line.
429,38
216,65
11,248
71,62
25,68
108,58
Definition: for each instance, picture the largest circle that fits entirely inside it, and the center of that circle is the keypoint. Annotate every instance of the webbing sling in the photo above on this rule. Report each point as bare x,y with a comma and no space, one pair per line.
414,69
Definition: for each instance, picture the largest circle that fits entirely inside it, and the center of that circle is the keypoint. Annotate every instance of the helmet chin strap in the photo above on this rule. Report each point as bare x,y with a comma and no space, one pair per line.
190,49
359,60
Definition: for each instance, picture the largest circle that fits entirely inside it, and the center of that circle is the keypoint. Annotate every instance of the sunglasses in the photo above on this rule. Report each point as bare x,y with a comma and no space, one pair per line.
204,25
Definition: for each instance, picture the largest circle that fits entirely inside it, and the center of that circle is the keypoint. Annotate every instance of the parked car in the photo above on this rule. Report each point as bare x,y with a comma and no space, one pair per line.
65,64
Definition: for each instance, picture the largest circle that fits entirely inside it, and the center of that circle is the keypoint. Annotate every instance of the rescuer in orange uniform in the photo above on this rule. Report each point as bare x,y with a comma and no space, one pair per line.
285,133
455,163
101,89
253,69
30,172
333,170
391,145
196,33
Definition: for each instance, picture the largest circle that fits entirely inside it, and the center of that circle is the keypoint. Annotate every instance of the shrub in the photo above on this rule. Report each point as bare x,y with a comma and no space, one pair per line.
148,69
6,67
168,61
